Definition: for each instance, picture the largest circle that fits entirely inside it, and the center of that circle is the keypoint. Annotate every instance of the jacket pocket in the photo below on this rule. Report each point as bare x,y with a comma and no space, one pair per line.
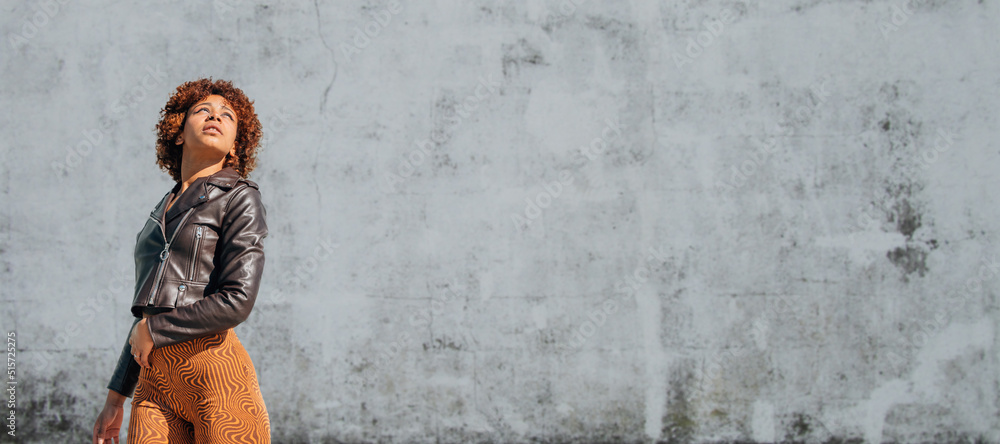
176,293
199,232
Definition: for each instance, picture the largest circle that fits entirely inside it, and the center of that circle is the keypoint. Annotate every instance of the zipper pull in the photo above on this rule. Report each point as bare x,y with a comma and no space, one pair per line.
165,252
198,234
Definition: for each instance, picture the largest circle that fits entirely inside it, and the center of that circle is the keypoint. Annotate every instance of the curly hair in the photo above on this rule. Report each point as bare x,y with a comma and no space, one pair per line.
174,113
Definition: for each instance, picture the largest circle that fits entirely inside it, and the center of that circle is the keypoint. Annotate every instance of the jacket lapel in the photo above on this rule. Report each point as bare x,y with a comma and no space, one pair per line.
193,196
157,213
199,192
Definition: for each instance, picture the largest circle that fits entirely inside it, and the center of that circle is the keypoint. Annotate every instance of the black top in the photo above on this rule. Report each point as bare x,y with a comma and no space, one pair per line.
173,221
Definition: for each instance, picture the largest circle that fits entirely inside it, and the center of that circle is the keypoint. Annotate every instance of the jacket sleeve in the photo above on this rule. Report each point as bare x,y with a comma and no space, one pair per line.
240,264
127,372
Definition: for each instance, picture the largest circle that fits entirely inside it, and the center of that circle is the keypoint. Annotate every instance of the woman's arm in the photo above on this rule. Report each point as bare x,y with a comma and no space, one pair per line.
126,373
241,262
107,427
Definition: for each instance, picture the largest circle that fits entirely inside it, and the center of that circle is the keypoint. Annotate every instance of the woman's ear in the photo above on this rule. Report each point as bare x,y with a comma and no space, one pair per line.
180,140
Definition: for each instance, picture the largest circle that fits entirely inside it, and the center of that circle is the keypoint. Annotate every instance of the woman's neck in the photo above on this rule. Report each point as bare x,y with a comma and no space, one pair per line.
191,171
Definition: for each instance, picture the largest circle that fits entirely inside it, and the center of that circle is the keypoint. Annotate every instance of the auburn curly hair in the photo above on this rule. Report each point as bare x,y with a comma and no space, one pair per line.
174,113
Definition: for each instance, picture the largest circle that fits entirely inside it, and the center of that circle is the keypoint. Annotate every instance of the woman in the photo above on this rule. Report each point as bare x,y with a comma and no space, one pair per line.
198,265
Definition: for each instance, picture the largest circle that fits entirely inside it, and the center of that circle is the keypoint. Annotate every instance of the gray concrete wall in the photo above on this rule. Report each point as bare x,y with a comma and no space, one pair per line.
681,221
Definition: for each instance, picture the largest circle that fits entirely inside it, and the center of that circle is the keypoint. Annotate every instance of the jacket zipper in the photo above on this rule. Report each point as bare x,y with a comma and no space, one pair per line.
165,253
194,254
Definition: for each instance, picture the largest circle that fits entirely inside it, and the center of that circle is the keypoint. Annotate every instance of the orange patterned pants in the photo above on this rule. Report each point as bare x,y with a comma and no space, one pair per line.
199,391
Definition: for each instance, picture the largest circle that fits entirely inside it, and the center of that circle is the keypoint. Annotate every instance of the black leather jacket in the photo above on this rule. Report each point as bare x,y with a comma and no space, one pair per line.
198,266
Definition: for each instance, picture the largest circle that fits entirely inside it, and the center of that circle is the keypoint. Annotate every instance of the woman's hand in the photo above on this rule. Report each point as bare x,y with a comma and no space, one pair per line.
109,423
141,342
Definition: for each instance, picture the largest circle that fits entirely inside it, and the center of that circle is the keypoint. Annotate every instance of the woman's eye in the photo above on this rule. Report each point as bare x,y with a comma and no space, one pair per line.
230,116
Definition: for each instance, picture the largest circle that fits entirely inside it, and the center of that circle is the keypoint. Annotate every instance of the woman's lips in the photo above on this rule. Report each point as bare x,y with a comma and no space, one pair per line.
212,129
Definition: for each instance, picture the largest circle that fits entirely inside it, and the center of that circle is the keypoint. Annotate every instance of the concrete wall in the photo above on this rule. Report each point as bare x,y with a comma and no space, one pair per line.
680,221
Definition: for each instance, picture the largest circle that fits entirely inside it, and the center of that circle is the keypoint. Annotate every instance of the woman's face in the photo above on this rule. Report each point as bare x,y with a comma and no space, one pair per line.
209,130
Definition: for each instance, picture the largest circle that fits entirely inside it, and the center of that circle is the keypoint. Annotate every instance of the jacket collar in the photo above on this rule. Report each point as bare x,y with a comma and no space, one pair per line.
200,191
225,178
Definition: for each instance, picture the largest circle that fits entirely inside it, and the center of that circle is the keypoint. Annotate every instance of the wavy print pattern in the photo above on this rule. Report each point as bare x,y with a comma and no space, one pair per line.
199,391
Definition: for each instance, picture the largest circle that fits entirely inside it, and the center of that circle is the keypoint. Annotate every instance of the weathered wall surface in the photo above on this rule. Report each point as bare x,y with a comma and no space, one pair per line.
683,221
